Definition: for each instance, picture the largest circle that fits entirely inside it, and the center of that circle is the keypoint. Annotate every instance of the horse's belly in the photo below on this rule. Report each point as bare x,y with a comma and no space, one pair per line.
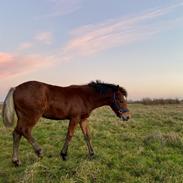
55,114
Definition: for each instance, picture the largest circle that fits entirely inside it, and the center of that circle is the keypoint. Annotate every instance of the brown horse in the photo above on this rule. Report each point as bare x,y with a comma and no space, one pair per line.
31,100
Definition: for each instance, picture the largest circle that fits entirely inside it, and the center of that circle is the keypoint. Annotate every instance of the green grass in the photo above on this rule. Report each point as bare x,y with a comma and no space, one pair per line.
147,148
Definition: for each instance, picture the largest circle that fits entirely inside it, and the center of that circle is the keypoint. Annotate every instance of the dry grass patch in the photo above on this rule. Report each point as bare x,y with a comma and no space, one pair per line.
169,138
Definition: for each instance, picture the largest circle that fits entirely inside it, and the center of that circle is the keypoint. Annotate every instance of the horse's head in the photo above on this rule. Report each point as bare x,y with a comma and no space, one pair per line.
119,103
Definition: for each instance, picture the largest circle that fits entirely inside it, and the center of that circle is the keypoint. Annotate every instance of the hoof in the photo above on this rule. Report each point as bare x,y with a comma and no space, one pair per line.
64,156
39,153
91,155
16,162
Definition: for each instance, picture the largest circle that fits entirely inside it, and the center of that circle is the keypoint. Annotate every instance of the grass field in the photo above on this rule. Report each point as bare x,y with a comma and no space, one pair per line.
147,148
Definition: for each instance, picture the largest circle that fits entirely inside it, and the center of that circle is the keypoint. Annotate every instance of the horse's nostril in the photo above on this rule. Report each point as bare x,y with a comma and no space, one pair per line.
126,118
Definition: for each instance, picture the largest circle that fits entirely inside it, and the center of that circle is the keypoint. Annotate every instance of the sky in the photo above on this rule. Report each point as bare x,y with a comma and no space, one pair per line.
137,44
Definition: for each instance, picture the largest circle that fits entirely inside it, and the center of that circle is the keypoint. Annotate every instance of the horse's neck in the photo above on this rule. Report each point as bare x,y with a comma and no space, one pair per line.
100,100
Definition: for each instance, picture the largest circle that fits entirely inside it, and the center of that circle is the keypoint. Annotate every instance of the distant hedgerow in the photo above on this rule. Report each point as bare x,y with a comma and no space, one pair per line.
149,101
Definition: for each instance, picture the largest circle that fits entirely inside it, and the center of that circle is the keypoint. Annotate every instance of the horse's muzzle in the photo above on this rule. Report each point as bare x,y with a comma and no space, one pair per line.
124,116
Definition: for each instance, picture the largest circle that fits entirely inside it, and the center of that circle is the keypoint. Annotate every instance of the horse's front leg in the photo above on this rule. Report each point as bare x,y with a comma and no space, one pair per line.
72,125
85,130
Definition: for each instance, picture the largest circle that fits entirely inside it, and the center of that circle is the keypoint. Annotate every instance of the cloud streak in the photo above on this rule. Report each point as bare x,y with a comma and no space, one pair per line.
13,64
91,39
43,38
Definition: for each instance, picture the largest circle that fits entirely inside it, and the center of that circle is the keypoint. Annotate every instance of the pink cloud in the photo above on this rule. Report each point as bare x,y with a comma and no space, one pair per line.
5,58
12,64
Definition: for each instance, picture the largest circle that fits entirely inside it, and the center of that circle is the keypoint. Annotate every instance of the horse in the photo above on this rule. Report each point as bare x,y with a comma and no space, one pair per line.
26,103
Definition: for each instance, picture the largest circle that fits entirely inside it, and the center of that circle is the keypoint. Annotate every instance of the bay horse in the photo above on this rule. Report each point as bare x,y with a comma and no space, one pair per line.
30,101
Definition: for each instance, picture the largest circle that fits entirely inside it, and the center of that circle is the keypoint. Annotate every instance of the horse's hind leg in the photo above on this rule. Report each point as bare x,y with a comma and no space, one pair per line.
28,135
25,130
16,142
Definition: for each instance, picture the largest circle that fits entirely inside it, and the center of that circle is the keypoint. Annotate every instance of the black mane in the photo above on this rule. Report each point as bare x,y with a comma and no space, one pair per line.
103,88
